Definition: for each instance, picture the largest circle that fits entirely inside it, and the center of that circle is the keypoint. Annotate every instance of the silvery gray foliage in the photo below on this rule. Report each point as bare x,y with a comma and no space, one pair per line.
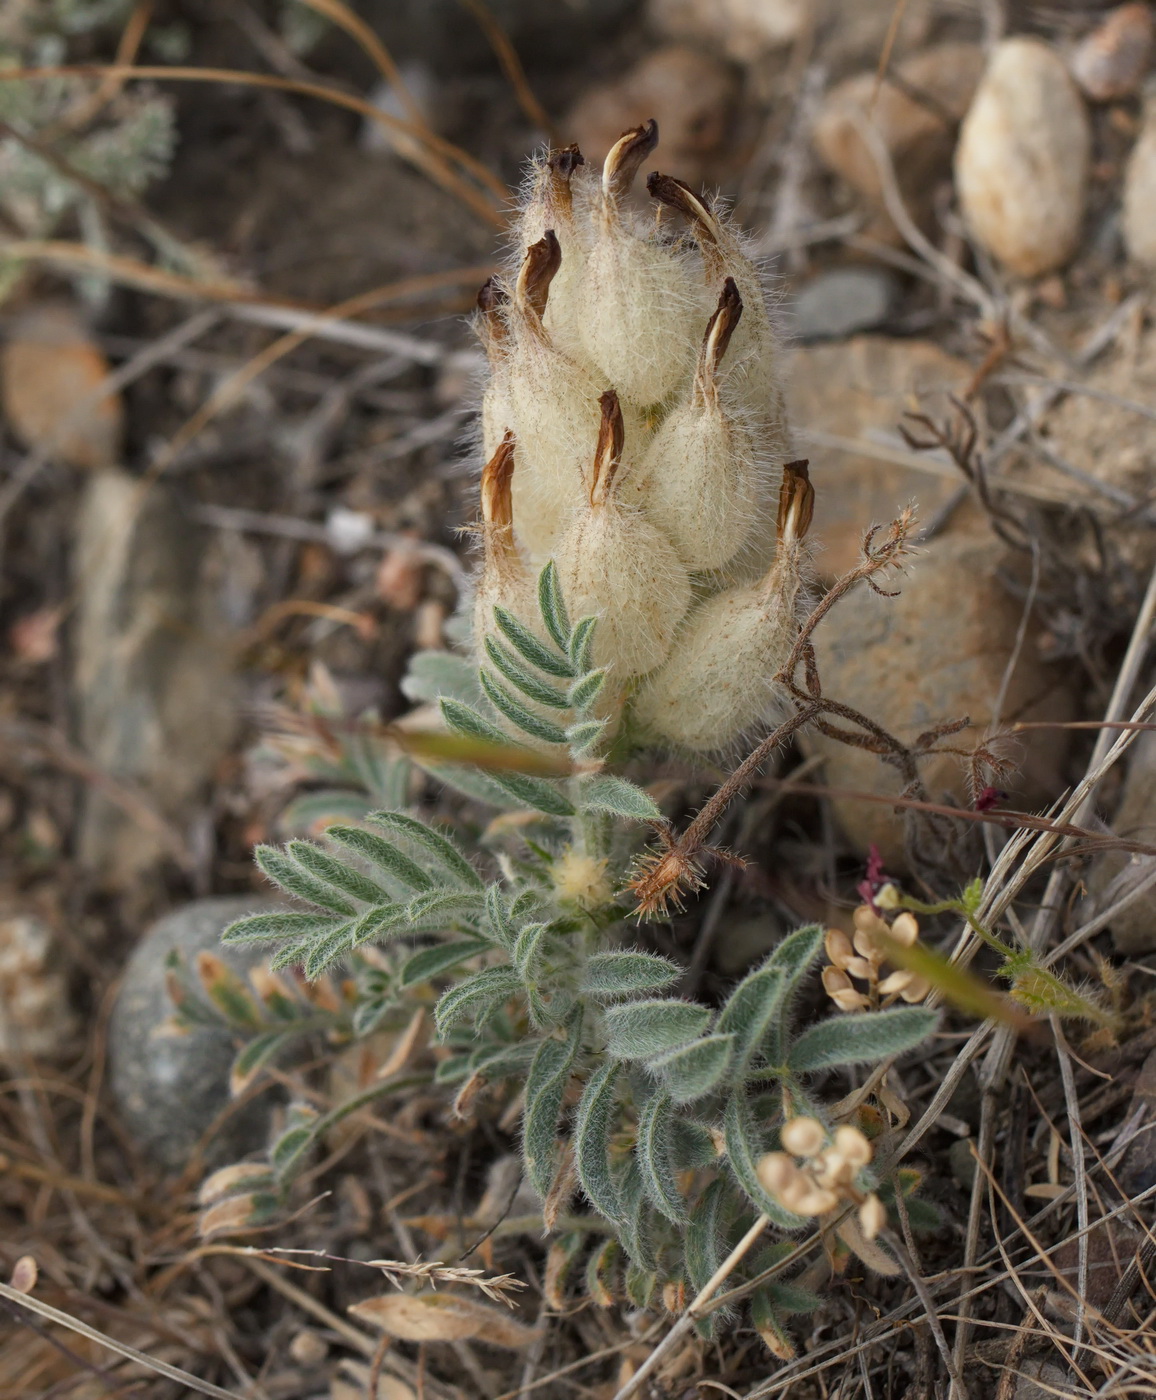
666,1104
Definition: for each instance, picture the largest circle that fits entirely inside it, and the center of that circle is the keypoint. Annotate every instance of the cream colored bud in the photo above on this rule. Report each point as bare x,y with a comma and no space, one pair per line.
869,930
615,565
838,946
905,930
838,987
796,1191
552,207
872,1216
853,1145
820,1200
916,989
804,1137
887,897
776,1172
833,1171
698,480
642,298
896,983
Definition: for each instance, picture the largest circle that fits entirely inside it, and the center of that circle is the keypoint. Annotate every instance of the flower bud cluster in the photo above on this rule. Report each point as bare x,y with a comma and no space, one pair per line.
861,958
634,431
827,1178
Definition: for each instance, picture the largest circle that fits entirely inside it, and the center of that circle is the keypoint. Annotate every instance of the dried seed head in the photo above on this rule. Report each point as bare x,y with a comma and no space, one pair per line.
504,578
804,1137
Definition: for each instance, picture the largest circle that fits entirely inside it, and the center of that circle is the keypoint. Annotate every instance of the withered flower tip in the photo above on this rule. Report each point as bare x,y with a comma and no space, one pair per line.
539,268
626,155
796,502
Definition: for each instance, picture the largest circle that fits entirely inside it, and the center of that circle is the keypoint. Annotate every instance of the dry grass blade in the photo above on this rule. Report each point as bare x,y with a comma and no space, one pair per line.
162,1368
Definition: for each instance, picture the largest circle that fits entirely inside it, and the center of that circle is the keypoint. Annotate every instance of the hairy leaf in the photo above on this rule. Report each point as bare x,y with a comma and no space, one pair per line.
528,948
744,1149
294,880
380,924
607,793
337,873
695,1069
528,645
324,952
436,908
518,714
584,734
431,962
634,1224
433,675
602,1273
652,1150
750,1014
586,689
545,1089
860,1037
476,997
582,645
641,1284
794,956
498,918
609,976
702,1248
593,1126
534,687
278,925
433,844
255,1056
381,853
553,607
638,1030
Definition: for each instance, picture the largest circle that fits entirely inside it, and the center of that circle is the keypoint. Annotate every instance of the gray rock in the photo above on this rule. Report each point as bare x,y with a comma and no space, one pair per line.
843,301
1114,874
1040,1380
153,678
169,1088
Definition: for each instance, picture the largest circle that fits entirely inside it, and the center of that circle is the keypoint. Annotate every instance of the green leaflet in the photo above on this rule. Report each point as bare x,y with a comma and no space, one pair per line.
695,1069
433,844
434,674
279,925
476,997
255,1055
519,675
860,1036
432,962
520,715
639,1030
335,872
586,689
295,880
652,1151
553,607
582,645
545,1088
750,1014
529,647
593,1125
325,951
609,976
606,793
793,957
744,1149
381,853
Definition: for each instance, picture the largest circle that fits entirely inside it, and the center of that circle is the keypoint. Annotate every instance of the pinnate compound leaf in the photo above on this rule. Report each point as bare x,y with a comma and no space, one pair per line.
860,1037
652,1151
695,1069
606,793
751,1012
337,873
324,952
530,647
432,962
283,870
380,924
512,669
593,1126
639,1030
384,854
279,925
545,1089
520,715
437,908
477,997
553,607
433,844
744,1148
608,976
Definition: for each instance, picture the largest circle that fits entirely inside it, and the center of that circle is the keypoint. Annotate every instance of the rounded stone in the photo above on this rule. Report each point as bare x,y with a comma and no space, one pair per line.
842,301
169,1087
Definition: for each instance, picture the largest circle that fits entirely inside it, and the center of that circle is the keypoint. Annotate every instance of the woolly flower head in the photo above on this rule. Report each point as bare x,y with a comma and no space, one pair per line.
633,399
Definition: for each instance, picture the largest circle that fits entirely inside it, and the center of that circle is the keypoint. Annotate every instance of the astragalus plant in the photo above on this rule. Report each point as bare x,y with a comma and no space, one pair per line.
643,557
